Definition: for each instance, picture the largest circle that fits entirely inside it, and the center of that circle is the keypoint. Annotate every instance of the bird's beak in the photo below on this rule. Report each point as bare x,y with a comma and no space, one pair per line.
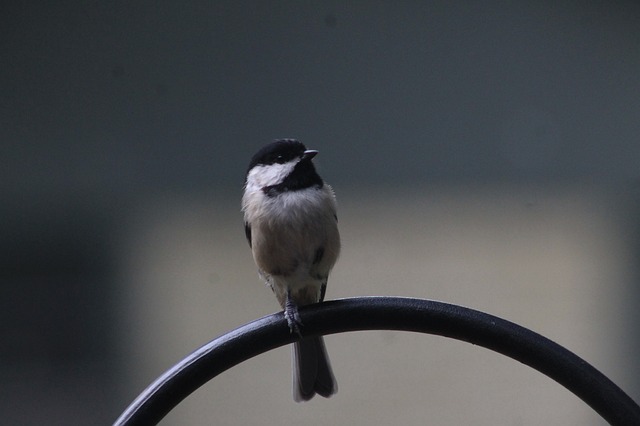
309,154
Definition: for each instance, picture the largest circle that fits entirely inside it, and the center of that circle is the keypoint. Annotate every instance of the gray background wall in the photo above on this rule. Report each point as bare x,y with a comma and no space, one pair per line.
506,134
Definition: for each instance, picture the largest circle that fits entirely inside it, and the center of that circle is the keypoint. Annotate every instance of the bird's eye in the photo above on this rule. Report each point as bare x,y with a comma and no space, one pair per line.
279,159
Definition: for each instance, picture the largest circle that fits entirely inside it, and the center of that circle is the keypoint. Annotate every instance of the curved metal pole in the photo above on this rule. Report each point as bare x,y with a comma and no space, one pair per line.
384,313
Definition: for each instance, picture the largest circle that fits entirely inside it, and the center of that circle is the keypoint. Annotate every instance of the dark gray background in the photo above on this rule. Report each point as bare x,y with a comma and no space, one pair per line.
102,103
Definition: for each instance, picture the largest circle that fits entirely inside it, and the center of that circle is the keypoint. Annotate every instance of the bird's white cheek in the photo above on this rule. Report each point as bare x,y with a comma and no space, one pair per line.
273,174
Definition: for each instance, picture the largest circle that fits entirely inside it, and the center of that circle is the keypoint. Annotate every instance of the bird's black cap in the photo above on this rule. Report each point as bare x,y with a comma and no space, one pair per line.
279,151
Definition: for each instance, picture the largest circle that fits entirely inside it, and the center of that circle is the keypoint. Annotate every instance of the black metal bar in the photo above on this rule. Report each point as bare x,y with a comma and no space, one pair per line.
384,313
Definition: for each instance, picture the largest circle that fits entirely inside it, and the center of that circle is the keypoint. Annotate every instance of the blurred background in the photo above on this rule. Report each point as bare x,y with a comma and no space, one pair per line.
483,154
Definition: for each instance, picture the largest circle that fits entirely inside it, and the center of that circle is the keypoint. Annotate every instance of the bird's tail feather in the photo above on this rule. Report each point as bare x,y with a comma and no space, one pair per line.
311,370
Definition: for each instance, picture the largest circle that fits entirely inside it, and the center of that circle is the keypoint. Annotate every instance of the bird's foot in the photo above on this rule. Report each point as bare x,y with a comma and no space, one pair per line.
292,316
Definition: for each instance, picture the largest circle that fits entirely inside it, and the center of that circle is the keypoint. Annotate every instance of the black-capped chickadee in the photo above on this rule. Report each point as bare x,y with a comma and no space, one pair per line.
291,225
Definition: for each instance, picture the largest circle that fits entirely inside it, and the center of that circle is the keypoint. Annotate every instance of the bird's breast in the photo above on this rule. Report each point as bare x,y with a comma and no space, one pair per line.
292,234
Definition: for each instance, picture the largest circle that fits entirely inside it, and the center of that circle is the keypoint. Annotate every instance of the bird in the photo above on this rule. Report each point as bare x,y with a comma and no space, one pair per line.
291,225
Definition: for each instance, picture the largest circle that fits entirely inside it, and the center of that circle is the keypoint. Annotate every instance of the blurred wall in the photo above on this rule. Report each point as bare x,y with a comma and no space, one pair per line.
555,261
117,118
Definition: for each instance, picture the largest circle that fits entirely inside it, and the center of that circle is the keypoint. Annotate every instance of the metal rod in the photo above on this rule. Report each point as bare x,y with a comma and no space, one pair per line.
384,313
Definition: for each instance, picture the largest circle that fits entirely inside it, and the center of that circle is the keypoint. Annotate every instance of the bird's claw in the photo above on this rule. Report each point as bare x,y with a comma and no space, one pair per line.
293,317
